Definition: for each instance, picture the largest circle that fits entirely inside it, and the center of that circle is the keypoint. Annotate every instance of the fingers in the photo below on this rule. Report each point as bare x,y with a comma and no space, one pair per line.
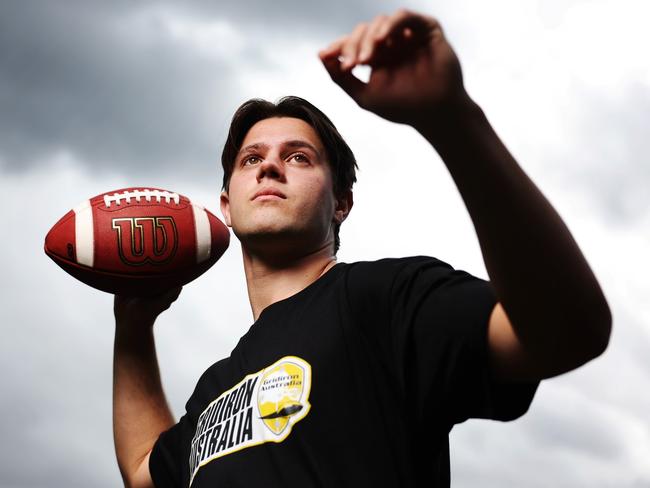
387,43
340,57
372,38
334,49
170,297
344,78
145,306
347,52
350,49
368,41
357,47
407,25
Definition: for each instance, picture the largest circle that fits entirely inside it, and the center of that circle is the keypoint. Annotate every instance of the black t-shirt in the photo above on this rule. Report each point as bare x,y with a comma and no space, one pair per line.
355,381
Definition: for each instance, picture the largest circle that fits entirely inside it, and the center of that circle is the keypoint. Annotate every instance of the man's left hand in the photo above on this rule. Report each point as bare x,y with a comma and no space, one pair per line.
416,78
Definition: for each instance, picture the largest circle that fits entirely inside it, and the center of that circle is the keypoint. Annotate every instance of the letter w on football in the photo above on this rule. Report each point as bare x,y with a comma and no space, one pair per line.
137,241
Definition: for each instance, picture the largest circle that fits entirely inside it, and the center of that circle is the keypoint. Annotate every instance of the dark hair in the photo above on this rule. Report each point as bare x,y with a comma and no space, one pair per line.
339,155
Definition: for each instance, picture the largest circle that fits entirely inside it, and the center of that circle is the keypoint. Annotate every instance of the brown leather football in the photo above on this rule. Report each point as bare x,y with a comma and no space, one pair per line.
137,241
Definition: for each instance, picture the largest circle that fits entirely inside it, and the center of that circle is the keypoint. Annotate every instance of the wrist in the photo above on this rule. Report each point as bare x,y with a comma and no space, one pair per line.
450,120
133,331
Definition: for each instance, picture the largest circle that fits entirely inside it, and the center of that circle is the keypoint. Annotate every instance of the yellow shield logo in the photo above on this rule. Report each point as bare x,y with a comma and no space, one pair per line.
283,394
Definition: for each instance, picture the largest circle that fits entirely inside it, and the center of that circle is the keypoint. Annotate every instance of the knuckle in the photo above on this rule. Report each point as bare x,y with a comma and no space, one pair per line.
433,21
360,28
348,48
378,23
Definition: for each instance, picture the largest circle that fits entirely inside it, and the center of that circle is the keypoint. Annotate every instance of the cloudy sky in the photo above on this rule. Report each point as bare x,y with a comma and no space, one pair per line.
96,96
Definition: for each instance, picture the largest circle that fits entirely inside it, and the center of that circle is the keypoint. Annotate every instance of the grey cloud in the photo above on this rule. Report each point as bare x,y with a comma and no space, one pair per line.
560,427
326,17
76,80
55,404
80,77
74,77
608,158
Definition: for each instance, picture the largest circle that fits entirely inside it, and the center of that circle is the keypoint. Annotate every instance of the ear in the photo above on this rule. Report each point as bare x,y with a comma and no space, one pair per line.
225,207
343,206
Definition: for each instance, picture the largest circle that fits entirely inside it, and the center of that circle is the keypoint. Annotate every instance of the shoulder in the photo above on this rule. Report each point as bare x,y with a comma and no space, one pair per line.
398,262
392,267
385,274
213,379
375,285
398,287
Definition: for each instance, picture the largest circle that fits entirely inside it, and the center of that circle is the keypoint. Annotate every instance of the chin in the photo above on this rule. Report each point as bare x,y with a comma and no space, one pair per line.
280,241
268,229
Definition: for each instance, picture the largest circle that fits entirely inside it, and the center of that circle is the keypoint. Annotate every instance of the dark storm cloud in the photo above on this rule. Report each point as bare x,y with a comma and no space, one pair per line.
328,17
95,80
78,78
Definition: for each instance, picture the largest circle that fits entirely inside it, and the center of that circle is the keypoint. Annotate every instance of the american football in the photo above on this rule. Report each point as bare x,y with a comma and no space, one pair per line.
137,241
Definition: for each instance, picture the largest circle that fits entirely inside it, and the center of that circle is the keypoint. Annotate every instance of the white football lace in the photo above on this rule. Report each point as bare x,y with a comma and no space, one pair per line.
139,194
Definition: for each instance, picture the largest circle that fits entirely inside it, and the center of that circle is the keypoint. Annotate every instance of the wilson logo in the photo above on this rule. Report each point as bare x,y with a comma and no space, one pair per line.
146,240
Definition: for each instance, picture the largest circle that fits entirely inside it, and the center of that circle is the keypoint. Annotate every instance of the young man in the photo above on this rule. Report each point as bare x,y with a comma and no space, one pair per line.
353,374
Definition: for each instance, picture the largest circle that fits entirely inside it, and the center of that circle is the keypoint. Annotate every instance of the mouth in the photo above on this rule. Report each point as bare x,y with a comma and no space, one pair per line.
269,194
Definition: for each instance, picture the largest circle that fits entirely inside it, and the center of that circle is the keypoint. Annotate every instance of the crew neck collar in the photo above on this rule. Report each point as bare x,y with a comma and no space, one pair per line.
321,279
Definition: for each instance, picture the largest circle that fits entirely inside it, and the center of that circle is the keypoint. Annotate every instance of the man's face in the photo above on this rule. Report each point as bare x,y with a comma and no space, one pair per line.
280,196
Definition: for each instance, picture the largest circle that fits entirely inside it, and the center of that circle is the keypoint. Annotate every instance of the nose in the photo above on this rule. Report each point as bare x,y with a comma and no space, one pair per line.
272,167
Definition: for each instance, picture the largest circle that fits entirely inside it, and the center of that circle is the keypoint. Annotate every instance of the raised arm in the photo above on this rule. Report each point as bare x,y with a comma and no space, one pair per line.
552,316
140,410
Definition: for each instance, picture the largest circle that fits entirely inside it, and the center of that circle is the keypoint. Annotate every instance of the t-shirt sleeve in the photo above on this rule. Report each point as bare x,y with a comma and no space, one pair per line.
429,322
168,457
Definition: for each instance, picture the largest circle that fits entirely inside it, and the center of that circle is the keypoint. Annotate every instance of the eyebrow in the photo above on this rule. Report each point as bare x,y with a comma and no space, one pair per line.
293,144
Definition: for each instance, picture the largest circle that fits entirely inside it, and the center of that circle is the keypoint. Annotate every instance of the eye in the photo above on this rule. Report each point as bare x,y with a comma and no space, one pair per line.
250,160
299,158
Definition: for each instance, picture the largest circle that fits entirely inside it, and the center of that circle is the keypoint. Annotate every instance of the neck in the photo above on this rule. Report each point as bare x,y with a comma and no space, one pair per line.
272,280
